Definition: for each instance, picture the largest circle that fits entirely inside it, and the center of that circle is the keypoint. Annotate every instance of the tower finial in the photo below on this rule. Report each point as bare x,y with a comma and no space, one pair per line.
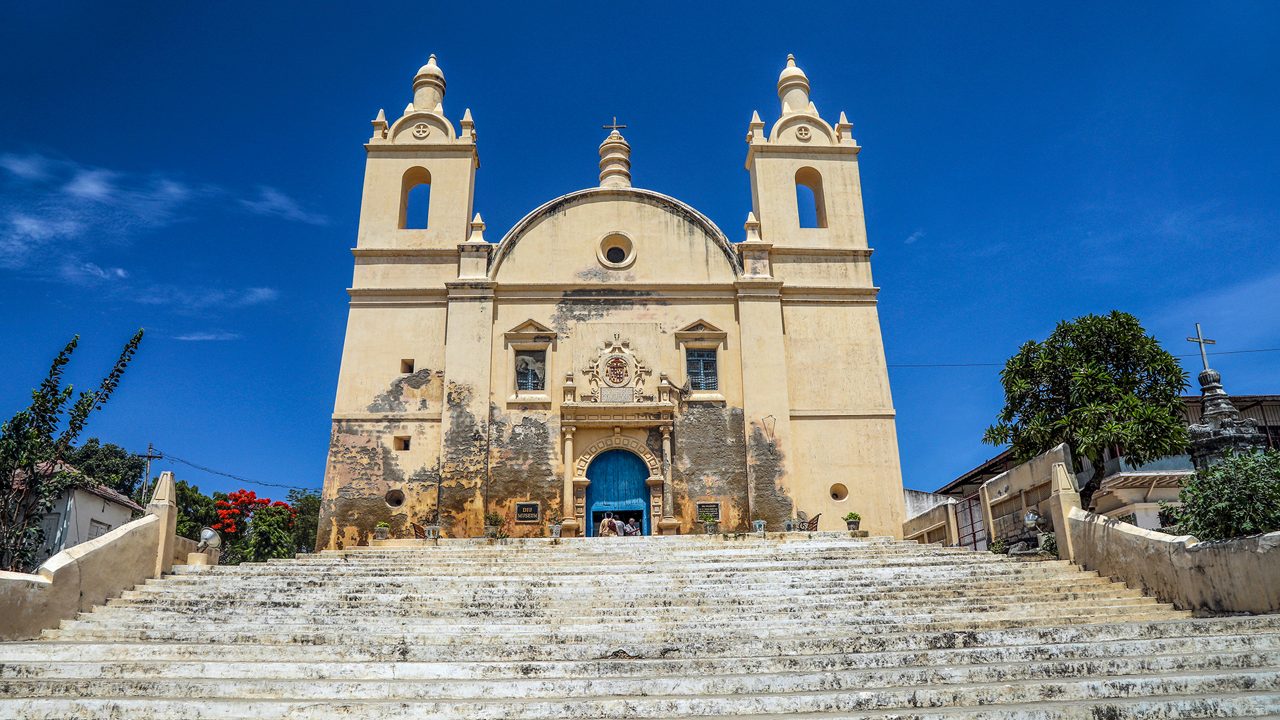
428,86
615,158
793,88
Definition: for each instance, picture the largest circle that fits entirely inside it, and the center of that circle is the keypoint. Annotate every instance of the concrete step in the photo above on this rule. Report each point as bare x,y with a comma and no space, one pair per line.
515,687
1204,685
128,661
740,627
122,618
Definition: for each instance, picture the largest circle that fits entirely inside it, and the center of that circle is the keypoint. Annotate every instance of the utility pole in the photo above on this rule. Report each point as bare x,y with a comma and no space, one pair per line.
146,480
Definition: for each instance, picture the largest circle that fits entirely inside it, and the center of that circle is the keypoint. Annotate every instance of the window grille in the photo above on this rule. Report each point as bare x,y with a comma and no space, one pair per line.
531,369
701,366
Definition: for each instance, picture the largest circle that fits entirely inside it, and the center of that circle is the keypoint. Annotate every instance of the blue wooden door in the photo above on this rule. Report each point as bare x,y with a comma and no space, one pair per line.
618,484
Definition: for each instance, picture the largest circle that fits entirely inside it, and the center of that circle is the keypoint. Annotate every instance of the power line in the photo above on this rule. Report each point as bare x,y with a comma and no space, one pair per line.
211,471
982,364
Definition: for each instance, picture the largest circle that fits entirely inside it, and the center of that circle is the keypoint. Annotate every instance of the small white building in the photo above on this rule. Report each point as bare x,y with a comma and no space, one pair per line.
82,514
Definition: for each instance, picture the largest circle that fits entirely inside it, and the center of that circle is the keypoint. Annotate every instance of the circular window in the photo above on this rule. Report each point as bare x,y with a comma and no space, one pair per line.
616,251
839,492
394,498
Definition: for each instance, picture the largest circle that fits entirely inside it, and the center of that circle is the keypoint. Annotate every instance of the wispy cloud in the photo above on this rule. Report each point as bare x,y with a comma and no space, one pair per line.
272,202
914,237
49,204
82,273
195,300
210,336
26,167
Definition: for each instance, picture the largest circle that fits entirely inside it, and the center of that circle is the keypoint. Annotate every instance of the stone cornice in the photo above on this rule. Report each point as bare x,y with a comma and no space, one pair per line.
450,252
874,414
822,251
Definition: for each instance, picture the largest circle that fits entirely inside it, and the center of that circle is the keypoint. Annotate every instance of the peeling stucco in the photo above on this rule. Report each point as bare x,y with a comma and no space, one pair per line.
710,464
523,466
416,391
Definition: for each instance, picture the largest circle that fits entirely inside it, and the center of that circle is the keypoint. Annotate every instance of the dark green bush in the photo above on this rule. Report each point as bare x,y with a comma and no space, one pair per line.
1239,496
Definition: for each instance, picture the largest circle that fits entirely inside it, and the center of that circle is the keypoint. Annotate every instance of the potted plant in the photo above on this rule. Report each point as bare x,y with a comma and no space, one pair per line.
852,521
709,523
382,530
492,523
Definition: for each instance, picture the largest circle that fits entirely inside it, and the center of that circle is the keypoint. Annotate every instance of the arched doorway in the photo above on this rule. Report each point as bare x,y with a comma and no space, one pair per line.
618,485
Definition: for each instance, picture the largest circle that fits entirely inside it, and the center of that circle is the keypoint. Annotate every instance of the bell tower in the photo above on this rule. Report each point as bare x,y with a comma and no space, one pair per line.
420,174
809,313
805,189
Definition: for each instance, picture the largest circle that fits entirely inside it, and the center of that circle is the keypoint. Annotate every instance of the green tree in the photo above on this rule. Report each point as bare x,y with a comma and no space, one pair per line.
110,465
270,534
1097,382
307,505
195,510
1237,497
32,453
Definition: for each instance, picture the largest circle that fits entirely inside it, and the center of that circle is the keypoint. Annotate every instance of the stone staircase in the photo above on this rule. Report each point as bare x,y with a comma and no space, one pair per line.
810,626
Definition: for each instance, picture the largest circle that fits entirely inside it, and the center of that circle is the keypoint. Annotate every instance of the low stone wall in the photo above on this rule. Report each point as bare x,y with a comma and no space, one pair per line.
935,525
78,578
1240,575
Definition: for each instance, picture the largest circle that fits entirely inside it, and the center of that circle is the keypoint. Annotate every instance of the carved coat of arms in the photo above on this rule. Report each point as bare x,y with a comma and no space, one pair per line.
616,373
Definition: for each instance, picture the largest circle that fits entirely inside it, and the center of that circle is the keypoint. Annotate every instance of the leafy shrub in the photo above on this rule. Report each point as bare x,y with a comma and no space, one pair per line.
1237,497
999,546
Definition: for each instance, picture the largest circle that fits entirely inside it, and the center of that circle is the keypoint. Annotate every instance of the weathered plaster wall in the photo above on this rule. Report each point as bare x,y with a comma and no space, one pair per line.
1241,575
709,464
363,467
524,467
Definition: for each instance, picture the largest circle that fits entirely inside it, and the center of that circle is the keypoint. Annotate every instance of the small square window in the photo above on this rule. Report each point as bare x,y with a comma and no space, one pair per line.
701,368
406,366
531,370
400,442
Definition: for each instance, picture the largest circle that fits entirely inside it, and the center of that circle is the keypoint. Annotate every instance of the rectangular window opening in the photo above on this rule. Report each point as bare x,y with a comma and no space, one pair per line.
701,368
531,370
406,366
401,442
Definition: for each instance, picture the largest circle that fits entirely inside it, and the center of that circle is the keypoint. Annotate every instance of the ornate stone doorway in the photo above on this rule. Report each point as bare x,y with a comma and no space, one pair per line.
618,483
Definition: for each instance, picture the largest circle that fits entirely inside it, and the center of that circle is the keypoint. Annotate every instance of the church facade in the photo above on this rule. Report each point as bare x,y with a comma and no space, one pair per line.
615,351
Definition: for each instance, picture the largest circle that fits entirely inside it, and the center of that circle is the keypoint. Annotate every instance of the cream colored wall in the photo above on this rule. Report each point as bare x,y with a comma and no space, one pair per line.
452,175
861,453
835,358
669,249
378,337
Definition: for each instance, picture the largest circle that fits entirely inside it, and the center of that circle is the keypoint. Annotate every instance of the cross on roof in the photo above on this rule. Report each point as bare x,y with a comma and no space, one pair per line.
1200,340
614,126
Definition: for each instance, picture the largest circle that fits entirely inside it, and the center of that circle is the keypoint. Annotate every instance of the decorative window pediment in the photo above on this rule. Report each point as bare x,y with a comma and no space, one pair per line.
701,331
530,332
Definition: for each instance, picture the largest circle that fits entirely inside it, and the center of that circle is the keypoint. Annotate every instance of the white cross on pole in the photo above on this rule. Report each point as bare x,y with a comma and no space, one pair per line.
1200,340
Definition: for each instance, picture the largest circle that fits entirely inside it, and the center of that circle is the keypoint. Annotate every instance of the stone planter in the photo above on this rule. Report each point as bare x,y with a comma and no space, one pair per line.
852,524
758,525
555,530
789,525
431,532
712,528
491,531
381,533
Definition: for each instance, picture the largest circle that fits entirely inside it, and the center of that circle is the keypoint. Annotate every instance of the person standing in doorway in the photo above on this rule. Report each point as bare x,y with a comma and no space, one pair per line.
608,526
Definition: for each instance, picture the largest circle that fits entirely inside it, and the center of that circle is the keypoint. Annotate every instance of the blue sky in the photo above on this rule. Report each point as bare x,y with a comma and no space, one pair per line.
195,169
